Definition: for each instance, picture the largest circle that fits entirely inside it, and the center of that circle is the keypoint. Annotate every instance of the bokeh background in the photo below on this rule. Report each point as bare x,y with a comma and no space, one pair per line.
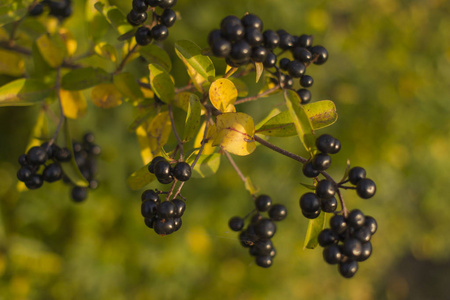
389,75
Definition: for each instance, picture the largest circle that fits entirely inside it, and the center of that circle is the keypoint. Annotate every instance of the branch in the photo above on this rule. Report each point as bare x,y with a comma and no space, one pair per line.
279,150
62,117
124,60
236,168
175,132
253,98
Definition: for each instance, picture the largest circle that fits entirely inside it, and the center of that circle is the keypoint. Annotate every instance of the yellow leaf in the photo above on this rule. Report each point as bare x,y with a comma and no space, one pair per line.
73,104
107,51
146,153
106,95
208,148
52,49
69,41
11,63
222,93
235,133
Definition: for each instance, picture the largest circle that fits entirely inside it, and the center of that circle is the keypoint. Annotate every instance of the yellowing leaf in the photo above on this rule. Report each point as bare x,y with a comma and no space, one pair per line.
106,51
106,95
140,178
235,133
161,83
222,93
208,148
73,104
23,92
11,63
69,41
52,49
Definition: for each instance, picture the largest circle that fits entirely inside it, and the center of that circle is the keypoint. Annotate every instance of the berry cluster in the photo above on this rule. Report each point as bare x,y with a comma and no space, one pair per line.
164,217
158,30
60,9
165,173
326,144
243,40
257,236
347,241
43,163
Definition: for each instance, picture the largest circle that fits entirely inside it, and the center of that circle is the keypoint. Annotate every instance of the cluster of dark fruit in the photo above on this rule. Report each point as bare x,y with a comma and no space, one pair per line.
240,41
43,163
257,236
347,241
60,9
158,30
164,217
165,173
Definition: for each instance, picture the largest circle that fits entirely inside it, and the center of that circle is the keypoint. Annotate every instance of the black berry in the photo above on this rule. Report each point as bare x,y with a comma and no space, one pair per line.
325,143
356,174
271,39
160,32
366,188
37,156
182,171
236,223
168,17
265,228
143,36
79,193
52,172
348,268
252,21
309,202
332,254
321,161
180,207
309,171
150,195
306,81
296,69
320,54
325,189
263,203
304,95
278,212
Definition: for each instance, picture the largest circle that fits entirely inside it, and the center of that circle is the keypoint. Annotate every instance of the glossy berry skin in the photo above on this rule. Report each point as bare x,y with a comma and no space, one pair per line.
337,147
79,193
362,234
321,161
232,29
338,223
240,50
214,35
252,21
329,205
160,32
139,6
305,41
166,209
151,166
306,81
24,173
309,202
182,171
325,189
325,143
37,156
154,3
162,169
288,82
309,171
296,69
236,223
352,247
265,228
271,39
366,188
366,251
304,95
332,254
177,222
270,61
149,209
168,17
264,261
263,247
167,3
320,54
356,219
327,237
52,172
135,18
286,40
263,203
221,47
164,226
371,223
253,36
35,181
259,54
180,207
284,63
312,215
348,268
277,212
143,36
302,54
63,155
149,222
150,195
356,174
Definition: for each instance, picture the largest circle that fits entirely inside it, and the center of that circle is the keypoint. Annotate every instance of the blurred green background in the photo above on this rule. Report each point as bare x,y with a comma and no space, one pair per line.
389,75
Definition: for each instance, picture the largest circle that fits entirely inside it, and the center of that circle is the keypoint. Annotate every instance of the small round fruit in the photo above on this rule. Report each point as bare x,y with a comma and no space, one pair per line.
23,161
309,202
363,234
232,29
162,169
166,209
79,193
366,251
160,32
37,156
236,223
180,207
311,215
63,155
329,205
309,171
371,223
337,147
271,39
302,54
306,81
356,174
327,237
164,226
356,219
149,222
252,21
264,261
151,166
320,54
286,40
338,223
143,36
150,195
135,18
177,222
305,41
348,268
284,63
325,189
325,143
263,203
270,61
332,254
34,182
304,95
277,212
37,10
366,188
167,3
259,54
24,173
296,69
321,161
240,50
182,171
52,172
253,36
263,247
352,247
265,228
139,6
149,209
221,47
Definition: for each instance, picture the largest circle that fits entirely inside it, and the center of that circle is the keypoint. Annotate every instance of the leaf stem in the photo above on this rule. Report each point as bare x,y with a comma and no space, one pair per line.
230,72
236,168
253,98
124,60
279,150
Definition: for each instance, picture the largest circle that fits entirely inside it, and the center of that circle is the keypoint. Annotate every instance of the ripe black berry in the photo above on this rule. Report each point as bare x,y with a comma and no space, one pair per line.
348,268
312,215
252,21
362,234
356,174
321,161
232,29
52,172
143,36
37,156
182,171
338,223
356,218
325,143
136,18
154,3
306,81
149,209
160,32
180,207
286,40
325,189
263,247
177,223
236,223
304,95
264,261
366,251
371,223
320,54
270,61
37,10
23,161
162,172
309,171
139,6
305,41
328,205
265,228
277,212
352,247
221,47
150,221
259,54
263,203
79,193
167,3
63,155
24,173
164,226
271,39
302,54
240,50
309,203
168,17
151,166
332,254
284,63
150,195
366,188
166,209
35,181
253,36
296,69
327,237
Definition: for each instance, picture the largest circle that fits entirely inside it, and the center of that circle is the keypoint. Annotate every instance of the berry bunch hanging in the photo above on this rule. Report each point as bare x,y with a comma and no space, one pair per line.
257,236
59,9
158,28
241,41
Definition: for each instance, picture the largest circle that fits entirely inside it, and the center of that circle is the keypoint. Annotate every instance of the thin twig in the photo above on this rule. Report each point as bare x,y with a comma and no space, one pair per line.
236,168
62,117
253,98
124,60
175,132
279,150
230,72
171,189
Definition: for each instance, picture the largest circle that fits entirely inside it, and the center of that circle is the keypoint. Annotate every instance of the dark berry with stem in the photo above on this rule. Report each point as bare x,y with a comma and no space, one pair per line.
263,203
182,171
321,161
180,207
168,17
236,223
151,166
348,268
296,69
52,172
325,143
327,237
356,174
271,39
79,193
366,188
309,202
160,32
304,95
356,218
270,60
309,171
143,36
135,18
325,189
306,81
320,54
332,254
252,21
259,54
265,228
37,156
277,212
150,195
329,205
162,169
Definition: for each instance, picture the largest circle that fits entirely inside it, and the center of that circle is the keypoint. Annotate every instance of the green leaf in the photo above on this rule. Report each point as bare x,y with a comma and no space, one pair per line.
70,168
84,78
279,125
12,10
192,122
321,113
191,55
140,178
207,165
300,119
155,55
161,83
127,35
52,49
11,63
22,92
127,85
315,226
259,70
114,17
107,51
141,118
